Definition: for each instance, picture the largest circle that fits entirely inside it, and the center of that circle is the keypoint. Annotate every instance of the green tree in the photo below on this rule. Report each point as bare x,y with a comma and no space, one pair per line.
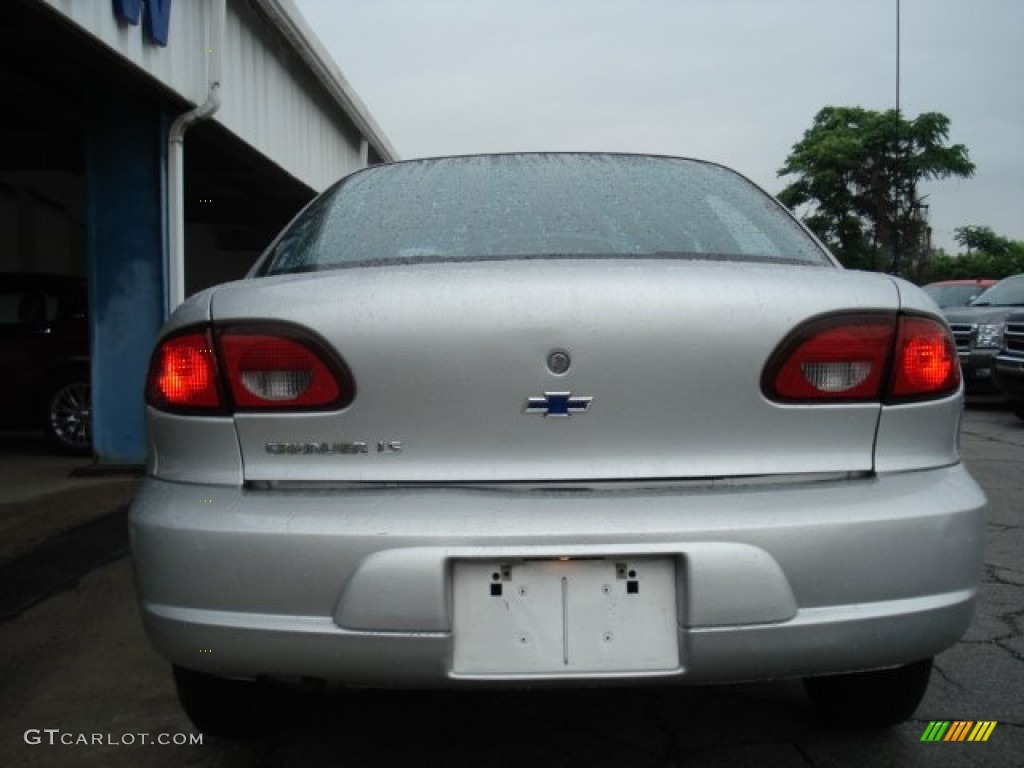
985,254
857,176
976,238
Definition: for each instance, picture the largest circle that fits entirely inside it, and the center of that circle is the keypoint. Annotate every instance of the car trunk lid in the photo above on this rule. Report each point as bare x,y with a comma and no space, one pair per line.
452,364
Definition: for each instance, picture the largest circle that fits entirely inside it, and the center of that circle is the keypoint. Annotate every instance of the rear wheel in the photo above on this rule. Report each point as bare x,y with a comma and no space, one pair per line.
69,415
869,699
1018,409
219,706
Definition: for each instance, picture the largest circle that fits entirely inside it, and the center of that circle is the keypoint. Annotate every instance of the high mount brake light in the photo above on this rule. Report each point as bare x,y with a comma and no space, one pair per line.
261,369
863,358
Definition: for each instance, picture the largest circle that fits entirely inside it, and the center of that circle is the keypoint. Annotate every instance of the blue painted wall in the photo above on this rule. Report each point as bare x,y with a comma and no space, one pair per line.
127,243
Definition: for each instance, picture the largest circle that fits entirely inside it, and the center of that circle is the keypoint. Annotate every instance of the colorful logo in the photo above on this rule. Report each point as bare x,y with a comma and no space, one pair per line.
958,730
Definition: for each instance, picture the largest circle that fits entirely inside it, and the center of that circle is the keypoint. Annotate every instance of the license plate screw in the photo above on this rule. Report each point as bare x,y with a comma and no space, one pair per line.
608,637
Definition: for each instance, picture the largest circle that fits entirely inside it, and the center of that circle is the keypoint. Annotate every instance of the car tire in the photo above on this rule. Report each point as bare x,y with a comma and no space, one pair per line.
875,699
1018,410
68,414
220,706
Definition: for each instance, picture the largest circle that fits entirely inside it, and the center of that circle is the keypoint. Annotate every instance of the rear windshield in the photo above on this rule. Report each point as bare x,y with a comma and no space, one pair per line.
539,206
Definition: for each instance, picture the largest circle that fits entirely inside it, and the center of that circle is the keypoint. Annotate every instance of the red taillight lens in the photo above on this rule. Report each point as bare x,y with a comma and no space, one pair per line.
864,358
265,368
926,361
183,374
836,359
269,371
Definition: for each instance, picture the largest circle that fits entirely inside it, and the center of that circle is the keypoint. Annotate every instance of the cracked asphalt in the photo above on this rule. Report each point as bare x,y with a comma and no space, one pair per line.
78,662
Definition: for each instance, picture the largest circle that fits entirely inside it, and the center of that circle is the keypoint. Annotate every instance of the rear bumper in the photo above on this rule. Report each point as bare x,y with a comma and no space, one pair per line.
354,586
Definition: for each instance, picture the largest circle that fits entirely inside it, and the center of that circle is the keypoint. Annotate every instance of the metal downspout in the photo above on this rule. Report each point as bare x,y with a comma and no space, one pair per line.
176,158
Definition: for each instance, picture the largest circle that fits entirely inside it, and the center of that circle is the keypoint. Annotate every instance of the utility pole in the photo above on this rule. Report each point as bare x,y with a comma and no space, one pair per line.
898,168
897,57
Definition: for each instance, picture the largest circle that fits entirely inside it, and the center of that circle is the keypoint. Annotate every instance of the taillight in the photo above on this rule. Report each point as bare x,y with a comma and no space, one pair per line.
864,358
833,359
183,374
267,371
925,362
244,368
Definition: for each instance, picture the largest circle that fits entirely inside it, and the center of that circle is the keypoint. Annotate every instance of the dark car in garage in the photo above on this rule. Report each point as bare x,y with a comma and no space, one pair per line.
44,357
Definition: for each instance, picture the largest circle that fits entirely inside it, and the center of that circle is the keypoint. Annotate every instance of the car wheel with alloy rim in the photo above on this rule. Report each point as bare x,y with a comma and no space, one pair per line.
69,415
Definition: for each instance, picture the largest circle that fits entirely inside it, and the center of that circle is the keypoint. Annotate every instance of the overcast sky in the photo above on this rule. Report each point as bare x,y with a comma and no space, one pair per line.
735,81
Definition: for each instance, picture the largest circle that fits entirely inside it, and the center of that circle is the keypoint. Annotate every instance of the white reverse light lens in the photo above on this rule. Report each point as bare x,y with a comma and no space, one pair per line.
836,377
277,385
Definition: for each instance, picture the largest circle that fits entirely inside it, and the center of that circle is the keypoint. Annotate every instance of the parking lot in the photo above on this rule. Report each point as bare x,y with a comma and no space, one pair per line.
75,667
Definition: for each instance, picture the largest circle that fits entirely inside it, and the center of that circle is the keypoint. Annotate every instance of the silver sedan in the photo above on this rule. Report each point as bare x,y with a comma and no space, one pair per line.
554,419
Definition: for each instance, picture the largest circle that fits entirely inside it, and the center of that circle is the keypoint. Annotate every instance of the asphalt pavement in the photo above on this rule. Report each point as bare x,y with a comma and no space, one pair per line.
45,494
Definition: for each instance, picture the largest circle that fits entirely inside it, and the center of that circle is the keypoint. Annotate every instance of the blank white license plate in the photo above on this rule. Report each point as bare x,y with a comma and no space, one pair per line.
565,617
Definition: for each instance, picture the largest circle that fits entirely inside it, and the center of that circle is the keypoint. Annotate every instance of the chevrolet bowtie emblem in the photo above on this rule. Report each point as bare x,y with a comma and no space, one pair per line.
557,404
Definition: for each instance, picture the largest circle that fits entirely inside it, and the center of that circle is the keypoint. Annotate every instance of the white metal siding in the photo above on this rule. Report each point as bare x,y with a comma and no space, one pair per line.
181,66
269,98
